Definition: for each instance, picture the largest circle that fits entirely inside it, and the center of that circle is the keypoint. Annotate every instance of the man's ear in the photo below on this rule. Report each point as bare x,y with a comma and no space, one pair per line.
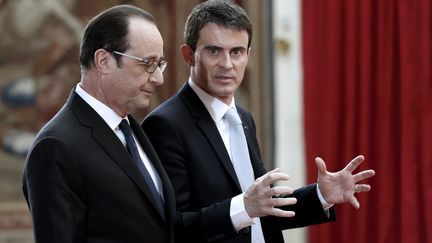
102,60
188,54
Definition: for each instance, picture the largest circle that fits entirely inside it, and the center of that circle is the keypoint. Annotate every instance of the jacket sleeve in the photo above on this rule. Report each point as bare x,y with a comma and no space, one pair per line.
53,191
308,209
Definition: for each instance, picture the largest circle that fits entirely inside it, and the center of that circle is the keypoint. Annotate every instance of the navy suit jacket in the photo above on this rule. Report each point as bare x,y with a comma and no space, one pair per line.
81,184
195,158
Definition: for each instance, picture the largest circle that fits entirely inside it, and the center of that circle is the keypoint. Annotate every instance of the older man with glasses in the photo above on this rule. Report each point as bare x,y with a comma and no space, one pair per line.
92,175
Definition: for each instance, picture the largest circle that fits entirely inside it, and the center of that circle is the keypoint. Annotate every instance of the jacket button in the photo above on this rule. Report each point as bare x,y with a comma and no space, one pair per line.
246,230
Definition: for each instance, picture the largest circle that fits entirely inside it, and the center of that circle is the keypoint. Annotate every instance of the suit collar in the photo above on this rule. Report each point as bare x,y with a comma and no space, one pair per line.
108,114
112,145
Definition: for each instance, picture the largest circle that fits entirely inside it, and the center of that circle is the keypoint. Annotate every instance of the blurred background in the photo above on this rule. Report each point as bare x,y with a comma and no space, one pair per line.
328,78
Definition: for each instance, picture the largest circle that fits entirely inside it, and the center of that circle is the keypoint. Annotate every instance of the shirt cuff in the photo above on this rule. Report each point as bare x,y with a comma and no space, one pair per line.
326,206
239,217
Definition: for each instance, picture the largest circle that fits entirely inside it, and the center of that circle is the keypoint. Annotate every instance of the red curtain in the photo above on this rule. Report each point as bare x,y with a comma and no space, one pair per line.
368,90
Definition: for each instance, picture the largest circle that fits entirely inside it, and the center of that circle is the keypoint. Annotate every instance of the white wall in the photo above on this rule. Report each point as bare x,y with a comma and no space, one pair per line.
289,98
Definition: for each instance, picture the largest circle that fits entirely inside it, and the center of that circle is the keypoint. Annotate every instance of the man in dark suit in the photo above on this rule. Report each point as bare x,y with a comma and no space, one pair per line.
221,198
92,175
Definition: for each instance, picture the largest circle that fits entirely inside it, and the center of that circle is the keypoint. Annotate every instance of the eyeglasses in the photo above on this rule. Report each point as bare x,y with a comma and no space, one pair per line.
150,65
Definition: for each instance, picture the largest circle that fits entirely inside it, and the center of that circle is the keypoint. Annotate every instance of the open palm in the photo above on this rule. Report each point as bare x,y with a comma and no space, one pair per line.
340,187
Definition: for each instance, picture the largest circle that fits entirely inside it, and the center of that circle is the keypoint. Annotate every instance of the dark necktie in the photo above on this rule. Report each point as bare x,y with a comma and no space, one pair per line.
133,150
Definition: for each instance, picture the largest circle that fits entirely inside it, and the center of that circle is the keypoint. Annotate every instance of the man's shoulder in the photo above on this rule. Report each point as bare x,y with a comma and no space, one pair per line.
171,106
62,126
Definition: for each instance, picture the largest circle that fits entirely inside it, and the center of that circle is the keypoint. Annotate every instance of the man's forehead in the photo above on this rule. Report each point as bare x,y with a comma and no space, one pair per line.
219,36
214,26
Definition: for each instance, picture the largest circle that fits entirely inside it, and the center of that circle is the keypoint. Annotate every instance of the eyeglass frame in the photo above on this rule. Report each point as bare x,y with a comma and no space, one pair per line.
148,63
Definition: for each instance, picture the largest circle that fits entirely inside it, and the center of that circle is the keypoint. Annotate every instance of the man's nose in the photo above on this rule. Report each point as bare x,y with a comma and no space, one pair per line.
226,61
157,77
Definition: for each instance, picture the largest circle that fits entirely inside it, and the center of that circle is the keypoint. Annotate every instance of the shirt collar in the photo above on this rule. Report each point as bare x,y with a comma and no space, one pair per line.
214,106
107,114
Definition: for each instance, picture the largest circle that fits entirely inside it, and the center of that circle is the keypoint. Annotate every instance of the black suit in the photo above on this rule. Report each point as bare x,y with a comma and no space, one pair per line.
81,184
195,158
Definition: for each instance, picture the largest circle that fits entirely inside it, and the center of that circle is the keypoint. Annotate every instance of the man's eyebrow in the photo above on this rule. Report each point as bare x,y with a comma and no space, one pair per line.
212,47
153,57
239,48
235,48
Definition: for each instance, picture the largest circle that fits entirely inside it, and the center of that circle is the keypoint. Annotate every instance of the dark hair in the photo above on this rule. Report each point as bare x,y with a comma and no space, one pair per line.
108,30
224,13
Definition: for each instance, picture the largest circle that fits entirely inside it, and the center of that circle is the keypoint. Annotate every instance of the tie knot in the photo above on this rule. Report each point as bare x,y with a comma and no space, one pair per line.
125,128
232,117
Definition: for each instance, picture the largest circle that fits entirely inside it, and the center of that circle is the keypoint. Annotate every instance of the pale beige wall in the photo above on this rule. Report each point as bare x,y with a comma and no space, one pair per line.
289,100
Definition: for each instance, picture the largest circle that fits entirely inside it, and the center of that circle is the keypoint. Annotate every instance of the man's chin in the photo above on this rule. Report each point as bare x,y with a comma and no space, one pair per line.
140,107
226,92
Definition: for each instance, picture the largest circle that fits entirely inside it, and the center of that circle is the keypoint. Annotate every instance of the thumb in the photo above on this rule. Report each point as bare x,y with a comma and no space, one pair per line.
320,165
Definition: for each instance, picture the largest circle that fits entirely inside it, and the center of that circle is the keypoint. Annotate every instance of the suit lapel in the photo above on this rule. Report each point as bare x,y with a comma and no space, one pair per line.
207,126
109,142
154,159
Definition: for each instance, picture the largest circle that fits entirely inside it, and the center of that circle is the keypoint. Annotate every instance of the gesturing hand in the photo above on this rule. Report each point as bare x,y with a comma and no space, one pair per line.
259,200
339,187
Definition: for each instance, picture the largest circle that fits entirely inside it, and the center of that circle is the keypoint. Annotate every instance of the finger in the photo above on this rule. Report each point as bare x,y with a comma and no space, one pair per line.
274,170
353,164
281,213
280,190
363,175
283,201
272,177
268,173
362,188
354,202
320,165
